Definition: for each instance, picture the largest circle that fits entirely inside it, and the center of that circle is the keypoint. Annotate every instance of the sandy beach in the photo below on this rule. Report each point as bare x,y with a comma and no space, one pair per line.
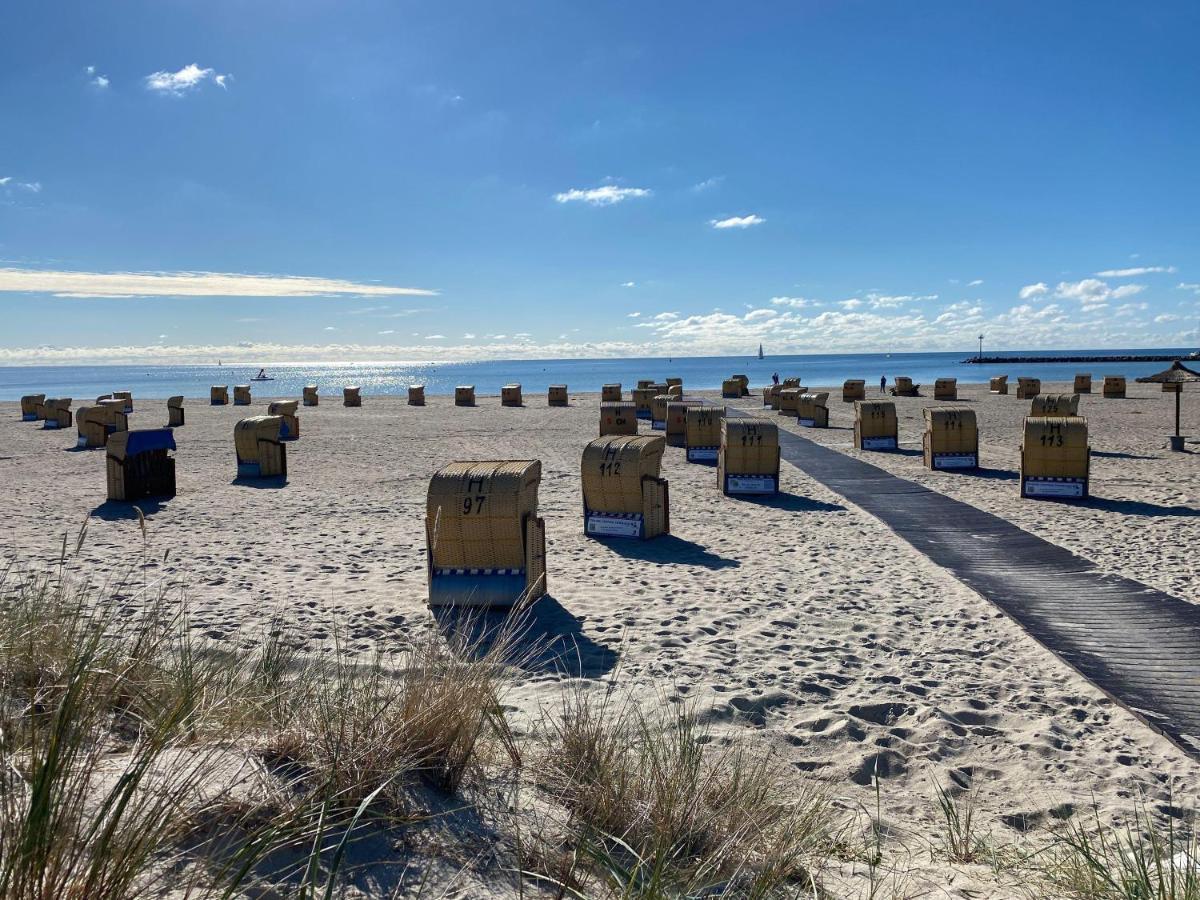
1145,500
801,621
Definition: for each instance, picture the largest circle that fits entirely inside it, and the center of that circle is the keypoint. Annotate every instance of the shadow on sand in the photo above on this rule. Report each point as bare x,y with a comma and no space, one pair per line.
1114,454
543,638
985,472
787,502
1138,507
116,510
272,483
668,549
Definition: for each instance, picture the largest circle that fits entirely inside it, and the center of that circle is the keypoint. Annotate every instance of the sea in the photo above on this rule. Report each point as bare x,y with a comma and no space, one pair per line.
697,372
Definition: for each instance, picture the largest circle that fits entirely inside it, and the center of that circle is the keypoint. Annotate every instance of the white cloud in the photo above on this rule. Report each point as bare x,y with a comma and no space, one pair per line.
606,195
1137,270
387,331
960,314
435,337
221,81
707,184
34,187
186,79
187,284
975,283
330,328
1166,317
891,301
627,284
633,315
1188,286
666,316
795,302
737,222
909,328
758,315
1092,291
468,337
852,303
94,78
1026,314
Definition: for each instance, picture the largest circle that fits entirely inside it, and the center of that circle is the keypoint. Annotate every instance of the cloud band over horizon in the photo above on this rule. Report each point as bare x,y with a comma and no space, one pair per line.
115,285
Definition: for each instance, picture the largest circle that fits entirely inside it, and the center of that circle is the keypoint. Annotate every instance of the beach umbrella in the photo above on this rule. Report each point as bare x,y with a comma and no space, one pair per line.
1177,376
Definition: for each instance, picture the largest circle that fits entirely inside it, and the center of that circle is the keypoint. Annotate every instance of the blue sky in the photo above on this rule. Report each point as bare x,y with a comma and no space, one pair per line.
281,181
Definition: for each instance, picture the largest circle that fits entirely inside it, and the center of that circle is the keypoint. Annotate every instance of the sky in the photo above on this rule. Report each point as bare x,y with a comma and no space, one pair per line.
294,180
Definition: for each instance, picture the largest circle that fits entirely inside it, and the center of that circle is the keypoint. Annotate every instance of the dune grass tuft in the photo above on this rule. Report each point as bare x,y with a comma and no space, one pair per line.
130,751
664,807
1143,860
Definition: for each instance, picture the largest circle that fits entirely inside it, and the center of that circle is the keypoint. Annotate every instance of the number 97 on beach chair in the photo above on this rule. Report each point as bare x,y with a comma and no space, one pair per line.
485,545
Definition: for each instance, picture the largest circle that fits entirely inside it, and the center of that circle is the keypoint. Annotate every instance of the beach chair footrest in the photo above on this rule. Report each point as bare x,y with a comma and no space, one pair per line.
598,524
878,443
1047,486
955,460
751,484
476,587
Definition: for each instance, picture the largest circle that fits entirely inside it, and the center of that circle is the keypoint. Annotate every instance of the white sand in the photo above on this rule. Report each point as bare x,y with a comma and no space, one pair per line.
803,620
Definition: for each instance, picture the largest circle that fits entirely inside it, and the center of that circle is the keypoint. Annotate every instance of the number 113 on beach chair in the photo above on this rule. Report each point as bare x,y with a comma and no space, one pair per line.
485,545
1055,457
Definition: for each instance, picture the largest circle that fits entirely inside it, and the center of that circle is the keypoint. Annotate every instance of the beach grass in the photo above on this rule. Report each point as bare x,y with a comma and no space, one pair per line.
141,760
660,805
1139,860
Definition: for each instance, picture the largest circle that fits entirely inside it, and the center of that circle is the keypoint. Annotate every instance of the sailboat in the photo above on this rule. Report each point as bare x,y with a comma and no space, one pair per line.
760,353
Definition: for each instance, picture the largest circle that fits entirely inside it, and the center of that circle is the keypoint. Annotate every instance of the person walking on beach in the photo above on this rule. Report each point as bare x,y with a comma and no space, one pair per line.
883,384
775,378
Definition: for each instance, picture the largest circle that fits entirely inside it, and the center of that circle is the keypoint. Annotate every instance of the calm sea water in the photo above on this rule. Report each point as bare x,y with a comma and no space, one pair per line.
700,373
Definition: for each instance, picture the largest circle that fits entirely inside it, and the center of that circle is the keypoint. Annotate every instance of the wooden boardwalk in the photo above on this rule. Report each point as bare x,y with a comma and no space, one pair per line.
1137,644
